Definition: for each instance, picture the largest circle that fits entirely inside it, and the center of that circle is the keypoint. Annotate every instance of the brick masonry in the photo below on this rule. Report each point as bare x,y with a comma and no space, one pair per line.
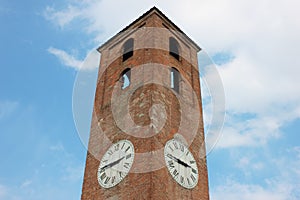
151,48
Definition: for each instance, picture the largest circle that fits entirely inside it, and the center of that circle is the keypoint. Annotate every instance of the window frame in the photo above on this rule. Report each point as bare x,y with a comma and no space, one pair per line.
128,49
126,72
174,48
175,78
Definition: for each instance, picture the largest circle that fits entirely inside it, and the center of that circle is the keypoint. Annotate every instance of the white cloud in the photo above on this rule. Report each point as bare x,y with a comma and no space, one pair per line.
263,38
65,58
284,185
71,61
253,132
62,18
261,81
249,164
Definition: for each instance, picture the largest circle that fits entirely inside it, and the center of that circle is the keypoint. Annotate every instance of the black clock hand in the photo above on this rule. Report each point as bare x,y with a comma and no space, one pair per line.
113,163
183,163
179,161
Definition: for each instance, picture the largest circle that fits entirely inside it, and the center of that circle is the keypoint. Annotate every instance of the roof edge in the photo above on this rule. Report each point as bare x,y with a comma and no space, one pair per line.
154,8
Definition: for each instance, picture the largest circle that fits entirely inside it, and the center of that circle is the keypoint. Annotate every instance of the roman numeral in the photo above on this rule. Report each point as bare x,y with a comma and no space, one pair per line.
126,165
127,149
188,180
101,170
128,156
117,147
194,171
123,145
110,152
170,156
193,178
121,174
171,148
103,176
192,161
113,179
181,147
175,173
181,179
106,180
171,164
175,145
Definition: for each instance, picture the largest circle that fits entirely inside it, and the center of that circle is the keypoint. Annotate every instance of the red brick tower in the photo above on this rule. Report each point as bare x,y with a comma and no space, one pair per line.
147,138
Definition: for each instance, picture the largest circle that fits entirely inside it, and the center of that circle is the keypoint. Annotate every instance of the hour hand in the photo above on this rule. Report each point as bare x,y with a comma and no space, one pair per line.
183,163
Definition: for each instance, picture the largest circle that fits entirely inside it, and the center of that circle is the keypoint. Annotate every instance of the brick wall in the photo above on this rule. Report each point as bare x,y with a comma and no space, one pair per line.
150,81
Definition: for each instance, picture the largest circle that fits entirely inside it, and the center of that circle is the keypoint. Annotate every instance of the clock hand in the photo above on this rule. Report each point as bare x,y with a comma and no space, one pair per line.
183,163
117,161
186,165
172,157
113,163
179,161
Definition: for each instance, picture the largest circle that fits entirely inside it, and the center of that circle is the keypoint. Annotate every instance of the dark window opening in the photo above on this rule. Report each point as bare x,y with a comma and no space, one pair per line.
175,78
125,78
174,48
128,49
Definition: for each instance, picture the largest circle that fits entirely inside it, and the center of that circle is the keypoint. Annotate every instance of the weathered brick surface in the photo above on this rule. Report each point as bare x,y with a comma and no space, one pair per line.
150,48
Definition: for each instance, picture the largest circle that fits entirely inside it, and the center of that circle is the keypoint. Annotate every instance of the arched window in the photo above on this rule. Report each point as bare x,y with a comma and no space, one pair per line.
174,48
128,49
175,78
125,78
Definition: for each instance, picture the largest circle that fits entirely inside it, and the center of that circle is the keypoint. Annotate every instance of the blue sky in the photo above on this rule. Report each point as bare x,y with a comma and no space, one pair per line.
255,45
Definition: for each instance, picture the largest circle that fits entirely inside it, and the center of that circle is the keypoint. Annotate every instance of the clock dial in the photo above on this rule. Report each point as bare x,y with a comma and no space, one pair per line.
115,164
181,164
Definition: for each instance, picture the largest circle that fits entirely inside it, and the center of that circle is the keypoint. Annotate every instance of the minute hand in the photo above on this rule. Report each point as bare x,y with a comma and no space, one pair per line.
113,163
179,161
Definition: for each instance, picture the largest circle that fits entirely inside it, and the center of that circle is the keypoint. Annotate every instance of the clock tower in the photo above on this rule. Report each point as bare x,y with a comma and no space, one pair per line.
147,138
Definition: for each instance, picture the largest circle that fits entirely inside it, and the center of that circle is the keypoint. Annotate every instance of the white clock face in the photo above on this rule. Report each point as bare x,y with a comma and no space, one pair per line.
181,164
115,164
